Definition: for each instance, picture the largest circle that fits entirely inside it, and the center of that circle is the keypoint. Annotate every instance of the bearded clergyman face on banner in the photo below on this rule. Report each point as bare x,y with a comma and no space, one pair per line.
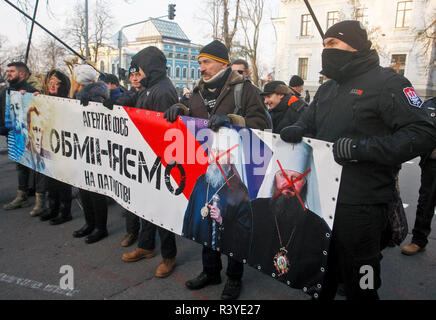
281,183
214,175
35,129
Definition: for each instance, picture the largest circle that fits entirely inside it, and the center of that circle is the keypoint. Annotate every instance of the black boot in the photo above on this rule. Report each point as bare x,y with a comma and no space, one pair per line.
53,208
96,235
84,231
202,281
232,289
65,214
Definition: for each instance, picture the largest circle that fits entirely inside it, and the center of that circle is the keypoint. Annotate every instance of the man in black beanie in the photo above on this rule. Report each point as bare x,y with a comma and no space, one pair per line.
374,118
215,99
296,84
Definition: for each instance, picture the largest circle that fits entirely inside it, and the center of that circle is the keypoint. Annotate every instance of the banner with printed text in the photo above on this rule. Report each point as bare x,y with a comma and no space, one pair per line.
242,192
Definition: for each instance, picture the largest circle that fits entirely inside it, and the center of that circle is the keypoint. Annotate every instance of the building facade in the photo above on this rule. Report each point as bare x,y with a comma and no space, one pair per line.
397,29
181,54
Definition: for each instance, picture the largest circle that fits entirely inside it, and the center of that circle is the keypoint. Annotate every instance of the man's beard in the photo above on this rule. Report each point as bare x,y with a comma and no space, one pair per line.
286,208
214,175
14,81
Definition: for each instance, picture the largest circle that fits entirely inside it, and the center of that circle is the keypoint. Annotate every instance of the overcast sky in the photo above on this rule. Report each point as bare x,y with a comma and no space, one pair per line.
131,11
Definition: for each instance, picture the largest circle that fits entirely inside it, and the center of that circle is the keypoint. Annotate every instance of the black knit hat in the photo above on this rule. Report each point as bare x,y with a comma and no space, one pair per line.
278,87
215,50
351,32
296,81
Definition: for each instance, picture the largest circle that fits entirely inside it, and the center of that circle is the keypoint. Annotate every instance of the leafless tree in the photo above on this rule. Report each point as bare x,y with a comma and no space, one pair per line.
251,19
102,22
100,27
223,17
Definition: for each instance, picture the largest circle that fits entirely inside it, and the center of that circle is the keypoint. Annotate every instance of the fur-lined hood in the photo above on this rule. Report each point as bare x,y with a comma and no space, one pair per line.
97,92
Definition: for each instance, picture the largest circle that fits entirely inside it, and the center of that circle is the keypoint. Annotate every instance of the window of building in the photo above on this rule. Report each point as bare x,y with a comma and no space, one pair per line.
113,68
192,73
362,15
332,18
398,63
169,71
303,64
102,66
185,73
404,14
185,57
177,72
178,56
170,55
305,22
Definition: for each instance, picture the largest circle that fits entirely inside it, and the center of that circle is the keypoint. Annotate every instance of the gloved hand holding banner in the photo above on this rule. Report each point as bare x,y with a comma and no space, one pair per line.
243,192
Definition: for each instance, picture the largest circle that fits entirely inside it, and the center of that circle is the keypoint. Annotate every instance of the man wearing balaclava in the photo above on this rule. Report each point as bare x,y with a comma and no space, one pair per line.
373,117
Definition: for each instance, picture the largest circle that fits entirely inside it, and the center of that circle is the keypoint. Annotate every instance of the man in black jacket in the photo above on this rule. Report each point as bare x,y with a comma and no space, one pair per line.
373,116
17,75
427,195
284,107
158,95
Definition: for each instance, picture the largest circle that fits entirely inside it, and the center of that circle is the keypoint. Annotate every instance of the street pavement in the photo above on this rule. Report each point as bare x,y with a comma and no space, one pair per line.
32,253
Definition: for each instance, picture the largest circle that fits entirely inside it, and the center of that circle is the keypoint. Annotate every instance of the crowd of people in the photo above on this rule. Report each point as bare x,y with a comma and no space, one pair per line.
365,110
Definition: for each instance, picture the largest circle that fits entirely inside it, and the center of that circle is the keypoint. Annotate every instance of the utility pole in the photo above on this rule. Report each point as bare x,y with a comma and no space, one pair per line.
86,31
31,32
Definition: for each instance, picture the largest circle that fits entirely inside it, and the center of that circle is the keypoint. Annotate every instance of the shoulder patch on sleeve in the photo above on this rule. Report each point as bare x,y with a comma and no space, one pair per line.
413,97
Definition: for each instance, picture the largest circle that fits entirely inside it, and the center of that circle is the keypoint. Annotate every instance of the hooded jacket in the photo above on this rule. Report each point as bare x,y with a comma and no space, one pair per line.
96,92
252,114
370,105
159,93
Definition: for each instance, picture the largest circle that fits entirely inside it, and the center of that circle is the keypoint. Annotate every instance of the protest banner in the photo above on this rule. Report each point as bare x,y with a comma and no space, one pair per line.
242,192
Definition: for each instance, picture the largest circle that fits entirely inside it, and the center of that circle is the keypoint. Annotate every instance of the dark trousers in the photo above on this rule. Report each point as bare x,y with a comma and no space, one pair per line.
41,181
426,203
94,208
147,239
132,223
212,264
59,196
23,177
354,249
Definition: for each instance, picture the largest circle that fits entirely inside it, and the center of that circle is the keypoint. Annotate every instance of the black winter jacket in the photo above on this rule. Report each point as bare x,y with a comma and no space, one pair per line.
287,112
371,107
96,92
159,93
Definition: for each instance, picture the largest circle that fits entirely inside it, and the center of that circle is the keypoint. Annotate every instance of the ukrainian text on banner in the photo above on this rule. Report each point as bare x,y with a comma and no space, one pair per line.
242,192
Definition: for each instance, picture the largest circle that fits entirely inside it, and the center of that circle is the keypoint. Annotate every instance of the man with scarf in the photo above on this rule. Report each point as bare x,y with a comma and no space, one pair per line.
214,99
373,116
158,95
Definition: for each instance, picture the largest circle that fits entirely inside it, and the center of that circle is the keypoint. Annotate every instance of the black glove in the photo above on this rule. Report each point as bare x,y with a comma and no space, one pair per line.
109,103
219,120
292,134
84,102
172,113
345,150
